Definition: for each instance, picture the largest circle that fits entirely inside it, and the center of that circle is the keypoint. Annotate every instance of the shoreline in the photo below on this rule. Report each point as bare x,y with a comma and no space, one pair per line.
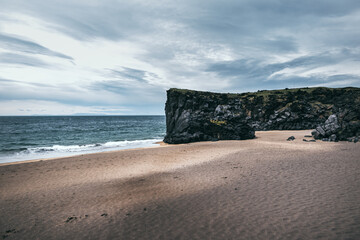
261,188
75,154
155,145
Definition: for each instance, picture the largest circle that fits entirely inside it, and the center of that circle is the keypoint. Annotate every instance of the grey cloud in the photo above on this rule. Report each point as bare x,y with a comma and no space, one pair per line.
343,80
259,18
122,19
17,82
84,20
18,90
132,84
129,73
281,44
255,68
340,80
264,24
110,86
124,74
127,82
141,97
15,43
255,31
17,59
254,73
133,95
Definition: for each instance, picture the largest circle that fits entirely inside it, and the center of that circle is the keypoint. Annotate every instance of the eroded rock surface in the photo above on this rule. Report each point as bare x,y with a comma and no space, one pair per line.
201,116
196,116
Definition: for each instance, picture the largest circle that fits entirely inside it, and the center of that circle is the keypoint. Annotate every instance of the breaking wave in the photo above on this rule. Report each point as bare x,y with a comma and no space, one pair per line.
63,151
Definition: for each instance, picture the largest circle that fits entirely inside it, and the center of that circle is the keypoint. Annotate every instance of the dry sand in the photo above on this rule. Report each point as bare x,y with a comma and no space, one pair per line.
265,188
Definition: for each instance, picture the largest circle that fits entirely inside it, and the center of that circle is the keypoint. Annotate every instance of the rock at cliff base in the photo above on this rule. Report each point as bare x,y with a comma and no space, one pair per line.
336,128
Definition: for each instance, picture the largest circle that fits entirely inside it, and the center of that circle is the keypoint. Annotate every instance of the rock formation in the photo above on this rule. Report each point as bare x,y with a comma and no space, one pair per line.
200,116
333,129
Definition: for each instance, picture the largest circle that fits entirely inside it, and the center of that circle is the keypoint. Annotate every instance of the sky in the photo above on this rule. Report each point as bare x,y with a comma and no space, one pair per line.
108,57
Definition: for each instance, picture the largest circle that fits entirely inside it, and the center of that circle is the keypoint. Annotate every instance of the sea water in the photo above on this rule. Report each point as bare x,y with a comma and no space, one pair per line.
26,138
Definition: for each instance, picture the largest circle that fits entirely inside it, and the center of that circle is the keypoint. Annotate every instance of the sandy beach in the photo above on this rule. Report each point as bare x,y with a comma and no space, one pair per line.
264,188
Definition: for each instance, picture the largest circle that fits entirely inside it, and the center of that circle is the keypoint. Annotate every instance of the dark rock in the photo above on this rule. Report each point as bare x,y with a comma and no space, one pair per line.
312,140
353,139
332,138
320,130
190,122
203,116
336,127
104,215
308,136
71,219
292,138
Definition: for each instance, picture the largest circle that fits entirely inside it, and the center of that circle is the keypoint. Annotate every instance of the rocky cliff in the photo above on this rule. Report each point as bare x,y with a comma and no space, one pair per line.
200,116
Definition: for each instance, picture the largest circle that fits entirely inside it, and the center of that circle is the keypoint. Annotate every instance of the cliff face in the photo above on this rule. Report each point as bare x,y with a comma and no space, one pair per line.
200,116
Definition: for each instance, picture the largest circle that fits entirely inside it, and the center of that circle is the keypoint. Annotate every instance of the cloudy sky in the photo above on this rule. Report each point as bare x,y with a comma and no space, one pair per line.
60,57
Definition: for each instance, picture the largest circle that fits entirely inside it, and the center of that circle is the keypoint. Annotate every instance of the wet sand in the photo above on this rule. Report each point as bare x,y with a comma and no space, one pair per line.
264,188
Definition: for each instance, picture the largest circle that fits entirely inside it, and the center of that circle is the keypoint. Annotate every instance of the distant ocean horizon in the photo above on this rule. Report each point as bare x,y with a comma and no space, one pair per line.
37,137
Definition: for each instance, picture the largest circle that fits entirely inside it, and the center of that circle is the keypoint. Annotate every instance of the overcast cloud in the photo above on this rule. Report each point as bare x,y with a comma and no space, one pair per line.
119,57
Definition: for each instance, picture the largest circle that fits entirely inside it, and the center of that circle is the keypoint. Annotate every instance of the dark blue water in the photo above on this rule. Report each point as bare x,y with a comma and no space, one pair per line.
24,138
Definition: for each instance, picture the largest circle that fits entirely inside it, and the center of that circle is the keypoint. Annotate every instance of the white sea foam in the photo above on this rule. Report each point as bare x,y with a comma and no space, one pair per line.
71,150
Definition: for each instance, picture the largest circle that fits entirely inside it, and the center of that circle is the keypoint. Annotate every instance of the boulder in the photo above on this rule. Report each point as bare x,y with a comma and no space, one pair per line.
327,129
336,128
292,138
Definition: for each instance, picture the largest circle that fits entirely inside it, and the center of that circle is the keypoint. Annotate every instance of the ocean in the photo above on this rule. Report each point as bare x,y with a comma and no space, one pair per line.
26,138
